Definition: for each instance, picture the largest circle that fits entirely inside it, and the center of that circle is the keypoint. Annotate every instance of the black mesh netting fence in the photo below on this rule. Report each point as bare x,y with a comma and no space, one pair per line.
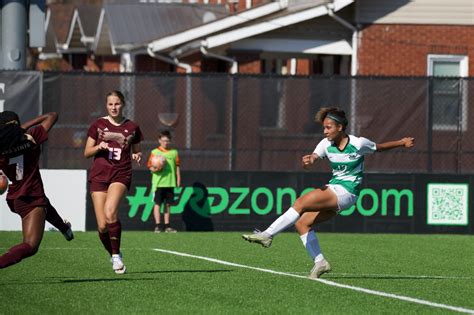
222,122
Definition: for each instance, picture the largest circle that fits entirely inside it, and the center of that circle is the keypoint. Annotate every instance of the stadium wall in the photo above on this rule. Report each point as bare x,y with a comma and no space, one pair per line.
241,201
66,189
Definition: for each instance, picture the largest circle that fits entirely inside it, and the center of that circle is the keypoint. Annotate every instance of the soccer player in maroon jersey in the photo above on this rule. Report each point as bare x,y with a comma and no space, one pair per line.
19,160
113,141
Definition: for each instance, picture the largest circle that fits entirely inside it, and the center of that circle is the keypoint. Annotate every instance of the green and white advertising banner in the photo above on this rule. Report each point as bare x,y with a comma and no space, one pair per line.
242,201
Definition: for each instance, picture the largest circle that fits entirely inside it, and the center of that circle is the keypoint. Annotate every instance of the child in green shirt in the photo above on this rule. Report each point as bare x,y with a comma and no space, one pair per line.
164,179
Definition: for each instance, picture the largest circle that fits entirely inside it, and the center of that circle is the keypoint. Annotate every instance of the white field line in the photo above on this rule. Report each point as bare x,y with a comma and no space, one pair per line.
388,276
331,283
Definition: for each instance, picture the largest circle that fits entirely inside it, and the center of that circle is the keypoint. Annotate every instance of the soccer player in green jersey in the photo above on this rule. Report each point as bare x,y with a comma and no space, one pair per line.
164,180
346,156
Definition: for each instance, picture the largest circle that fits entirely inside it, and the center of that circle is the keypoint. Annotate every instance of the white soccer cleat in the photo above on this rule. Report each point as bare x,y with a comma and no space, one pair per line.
319,268
117,264
68,235
258,237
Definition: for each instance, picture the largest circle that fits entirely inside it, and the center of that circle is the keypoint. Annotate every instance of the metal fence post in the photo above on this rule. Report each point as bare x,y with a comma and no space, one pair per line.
460,125
233,121
430,126
189,108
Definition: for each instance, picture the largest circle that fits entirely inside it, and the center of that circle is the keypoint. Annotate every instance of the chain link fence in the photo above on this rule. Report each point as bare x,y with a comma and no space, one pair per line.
266,123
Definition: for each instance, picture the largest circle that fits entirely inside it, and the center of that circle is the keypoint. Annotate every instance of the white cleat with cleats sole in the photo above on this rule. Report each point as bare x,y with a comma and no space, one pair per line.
321,267
258,237
117,264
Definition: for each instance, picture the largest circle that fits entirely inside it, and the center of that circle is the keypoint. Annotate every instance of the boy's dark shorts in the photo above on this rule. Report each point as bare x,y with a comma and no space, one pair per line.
164,195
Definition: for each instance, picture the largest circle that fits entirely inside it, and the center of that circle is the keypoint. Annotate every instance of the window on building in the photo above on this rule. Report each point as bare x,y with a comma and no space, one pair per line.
77,61
449,91
330,65
211,65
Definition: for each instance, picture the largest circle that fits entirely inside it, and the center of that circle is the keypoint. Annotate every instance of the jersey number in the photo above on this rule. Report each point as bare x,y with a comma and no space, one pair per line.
20,166
115,154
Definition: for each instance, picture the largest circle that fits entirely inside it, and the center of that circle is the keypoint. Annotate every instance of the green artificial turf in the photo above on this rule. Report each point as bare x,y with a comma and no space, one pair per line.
76,277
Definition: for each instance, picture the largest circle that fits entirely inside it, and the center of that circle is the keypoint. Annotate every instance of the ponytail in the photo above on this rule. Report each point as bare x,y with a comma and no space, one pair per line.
13,140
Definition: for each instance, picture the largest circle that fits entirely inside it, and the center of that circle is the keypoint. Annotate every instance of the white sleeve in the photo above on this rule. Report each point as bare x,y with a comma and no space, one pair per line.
367,146
320,149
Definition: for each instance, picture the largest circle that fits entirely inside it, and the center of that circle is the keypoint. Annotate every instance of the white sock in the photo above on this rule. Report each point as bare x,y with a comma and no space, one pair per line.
311,243
283,222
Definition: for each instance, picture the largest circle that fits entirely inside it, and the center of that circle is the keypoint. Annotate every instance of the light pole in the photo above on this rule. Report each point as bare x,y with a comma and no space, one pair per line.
13,34
16,34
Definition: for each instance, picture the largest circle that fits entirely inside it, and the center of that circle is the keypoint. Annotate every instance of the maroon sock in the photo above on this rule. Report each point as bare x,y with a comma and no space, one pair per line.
115,232
105,239
16,254
53,217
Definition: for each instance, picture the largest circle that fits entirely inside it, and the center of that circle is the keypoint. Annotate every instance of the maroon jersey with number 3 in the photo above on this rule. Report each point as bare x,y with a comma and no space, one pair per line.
23,170
117,160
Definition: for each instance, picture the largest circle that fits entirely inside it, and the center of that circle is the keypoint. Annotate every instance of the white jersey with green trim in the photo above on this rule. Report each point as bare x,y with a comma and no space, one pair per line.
347,164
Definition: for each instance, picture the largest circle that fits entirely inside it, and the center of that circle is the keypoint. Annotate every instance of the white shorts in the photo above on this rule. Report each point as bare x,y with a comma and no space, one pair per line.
345,199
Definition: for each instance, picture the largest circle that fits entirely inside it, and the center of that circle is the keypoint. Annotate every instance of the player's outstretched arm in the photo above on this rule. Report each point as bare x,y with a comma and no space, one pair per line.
308,160
407,142
46,120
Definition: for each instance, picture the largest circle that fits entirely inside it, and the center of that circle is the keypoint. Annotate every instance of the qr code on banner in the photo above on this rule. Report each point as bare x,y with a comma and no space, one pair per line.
448,204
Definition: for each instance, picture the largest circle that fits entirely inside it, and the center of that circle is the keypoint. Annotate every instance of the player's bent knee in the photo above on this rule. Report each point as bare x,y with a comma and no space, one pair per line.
111,220
111,216
302,227
299,205
34,250
31,250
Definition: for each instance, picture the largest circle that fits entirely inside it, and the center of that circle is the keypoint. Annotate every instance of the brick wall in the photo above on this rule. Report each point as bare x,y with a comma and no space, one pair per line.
302,67
401,50
249,63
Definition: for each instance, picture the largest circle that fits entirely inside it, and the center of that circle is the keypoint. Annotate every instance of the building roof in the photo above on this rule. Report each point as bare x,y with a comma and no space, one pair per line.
60,20
236,20
89,15
121,25
138,24
291,16
177,29
302,27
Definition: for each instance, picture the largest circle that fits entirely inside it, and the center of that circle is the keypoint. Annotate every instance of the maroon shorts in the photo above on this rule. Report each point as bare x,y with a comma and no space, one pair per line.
26,204
104,186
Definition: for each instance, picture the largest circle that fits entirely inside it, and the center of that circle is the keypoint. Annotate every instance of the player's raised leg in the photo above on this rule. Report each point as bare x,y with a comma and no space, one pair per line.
33,230
316,200
53,217
283,222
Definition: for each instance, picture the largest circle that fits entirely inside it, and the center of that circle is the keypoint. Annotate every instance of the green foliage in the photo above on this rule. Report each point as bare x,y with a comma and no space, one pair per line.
76,277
